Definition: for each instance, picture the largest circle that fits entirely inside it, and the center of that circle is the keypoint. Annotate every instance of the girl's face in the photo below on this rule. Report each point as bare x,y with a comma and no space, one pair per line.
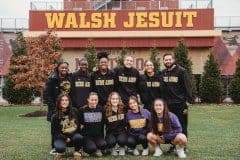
93,101
114,100
133,105
83,66
63,69
64,103
128,62
103,63
149,67
158,106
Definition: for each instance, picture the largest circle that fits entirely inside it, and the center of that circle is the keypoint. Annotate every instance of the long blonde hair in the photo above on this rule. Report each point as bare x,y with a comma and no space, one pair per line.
109,105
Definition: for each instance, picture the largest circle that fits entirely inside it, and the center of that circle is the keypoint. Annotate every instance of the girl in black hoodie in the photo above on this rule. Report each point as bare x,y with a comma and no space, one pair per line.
82,84
129,82
153,83
103,80
92,126
59,82
65,127
115,124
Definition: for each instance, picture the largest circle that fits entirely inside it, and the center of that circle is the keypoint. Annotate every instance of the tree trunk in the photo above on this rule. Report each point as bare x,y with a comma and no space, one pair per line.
41,105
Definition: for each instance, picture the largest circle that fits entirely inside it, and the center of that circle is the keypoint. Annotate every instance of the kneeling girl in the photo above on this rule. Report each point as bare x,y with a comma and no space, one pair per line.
115,124
137,120
92,126
165,128
65,127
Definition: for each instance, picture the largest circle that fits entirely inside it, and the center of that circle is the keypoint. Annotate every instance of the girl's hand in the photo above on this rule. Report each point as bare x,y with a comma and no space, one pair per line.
161,139
81,126
68,140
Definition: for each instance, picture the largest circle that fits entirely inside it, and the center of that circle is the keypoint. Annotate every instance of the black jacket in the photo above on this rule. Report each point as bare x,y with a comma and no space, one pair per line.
53,88
128,83
82,88
103,85
176,85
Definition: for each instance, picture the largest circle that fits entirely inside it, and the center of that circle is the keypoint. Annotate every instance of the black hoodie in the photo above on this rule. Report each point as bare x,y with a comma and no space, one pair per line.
176,85
153,85
128,83
62,128
82,88
103,85
92,120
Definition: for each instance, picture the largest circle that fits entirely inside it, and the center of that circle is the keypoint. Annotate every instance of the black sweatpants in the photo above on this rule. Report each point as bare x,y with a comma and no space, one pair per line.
134,140
90,145
113,139
61,145
181,111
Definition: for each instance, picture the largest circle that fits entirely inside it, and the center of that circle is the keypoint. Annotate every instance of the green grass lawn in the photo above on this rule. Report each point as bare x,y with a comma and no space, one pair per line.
213,134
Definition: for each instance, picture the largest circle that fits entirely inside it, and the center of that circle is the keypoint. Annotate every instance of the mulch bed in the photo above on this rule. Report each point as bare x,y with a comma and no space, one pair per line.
35,114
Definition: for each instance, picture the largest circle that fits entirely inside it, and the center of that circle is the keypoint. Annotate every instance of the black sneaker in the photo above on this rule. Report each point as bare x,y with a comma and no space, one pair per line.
172,149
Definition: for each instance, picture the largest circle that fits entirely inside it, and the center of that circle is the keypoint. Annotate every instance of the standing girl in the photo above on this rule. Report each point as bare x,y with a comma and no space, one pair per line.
165,128
65,127
103,79
92,126
82,84
137,122
128,81
152,83
59,82
115,124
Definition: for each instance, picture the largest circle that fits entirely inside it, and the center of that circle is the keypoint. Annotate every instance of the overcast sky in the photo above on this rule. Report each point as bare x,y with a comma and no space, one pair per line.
19,8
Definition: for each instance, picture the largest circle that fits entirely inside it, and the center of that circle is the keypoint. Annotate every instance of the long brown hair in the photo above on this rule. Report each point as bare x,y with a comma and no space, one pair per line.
109,105
166,118
138,102
59,111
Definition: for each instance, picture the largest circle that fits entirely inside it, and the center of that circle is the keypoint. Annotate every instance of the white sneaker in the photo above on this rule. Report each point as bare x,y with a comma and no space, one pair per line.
121,151
145,152
129,150
117,148
136,152
181,153
114,152
158,152
99,153
53,151
84,154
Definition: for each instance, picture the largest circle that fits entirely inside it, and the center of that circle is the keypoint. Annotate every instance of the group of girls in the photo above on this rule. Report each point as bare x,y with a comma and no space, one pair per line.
107,102
84,128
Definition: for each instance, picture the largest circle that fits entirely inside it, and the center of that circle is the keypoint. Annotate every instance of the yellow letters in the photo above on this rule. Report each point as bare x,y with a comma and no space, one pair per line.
55,20
83,23
71,21
137,123
141,20
190,16
167,19
130,22
106,20
109,20
154,21
96,20
178,19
